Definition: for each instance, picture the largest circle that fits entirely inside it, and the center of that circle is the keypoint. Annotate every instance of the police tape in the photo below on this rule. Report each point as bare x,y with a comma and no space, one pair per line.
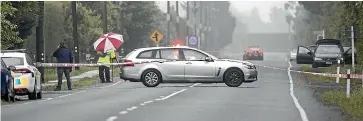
351,76
93,64
162,61
114,64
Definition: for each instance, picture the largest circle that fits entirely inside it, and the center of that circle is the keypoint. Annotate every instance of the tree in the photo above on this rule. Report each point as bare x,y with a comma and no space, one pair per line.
19,17
144,21
9,36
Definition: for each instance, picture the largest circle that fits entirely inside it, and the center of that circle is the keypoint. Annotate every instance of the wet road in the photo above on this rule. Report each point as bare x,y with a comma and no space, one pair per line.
268,99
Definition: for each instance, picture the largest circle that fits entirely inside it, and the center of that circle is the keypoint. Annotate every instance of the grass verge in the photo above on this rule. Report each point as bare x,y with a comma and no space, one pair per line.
85,82
352,106
51,73
4,102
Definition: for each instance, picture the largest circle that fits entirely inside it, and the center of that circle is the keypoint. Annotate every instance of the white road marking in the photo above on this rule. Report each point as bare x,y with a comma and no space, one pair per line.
123,112
194,84
111,85
112,118
47,99
146,102
297,105
132,108
175,93
142,104
150,101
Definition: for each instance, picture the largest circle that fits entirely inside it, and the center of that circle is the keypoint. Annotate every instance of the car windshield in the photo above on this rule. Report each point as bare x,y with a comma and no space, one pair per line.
327,49
13,61
254,48
210,55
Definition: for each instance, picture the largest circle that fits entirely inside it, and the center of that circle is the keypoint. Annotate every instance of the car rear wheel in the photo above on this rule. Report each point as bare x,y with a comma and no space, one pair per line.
33,95
39,94
151,78
12,93
233,77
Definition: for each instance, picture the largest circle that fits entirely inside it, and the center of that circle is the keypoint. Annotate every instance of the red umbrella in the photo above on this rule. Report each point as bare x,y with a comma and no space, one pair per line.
108,41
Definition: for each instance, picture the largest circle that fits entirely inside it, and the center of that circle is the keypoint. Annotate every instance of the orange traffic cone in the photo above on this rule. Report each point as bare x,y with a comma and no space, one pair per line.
299,81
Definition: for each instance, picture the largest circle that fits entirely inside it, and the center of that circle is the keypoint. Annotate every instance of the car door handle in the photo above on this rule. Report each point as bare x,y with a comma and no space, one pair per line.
188,63
161,61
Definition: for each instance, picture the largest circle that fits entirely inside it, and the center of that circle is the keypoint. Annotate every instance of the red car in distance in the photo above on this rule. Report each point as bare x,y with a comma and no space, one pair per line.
253,53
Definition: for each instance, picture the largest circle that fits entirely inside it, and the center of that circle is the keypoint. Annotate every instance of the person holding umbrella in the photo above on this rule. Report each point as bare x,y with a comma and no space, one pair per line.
104,70
105,46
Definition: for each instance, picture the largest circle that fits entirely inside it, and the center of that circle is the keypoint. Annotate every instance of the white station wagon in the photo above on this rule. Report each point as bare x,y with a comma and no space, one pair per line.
184,64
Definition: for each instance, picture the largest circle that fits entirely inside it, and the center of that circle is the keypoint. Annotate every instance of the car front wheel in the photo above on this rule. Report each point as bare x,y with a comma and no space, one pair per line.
151,78
233,77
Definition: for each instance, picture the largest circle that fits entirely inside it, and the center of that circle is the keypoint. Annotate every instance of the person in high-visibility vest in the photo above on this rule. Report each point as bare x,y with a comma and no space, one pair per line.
105,58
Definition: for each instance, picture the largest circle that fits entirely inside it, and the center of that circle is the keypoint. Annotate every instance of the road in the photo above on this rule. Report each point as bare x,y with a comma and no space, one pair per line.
268,99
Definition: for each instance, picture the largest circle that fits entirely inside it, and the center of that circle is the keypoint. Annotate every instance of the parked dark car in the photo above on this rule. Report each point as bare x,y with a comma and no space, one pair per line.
327,52
7,83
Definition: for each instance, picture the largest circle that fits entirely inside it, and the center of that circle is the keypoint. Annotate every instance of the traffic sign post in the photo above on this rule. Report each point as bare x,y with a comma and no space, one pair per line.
192,40
156,36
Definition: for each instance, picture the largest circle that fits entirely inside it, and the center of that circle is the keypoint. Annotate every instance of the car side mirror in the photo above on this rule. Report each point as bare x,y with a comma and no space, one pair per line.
310,53
208,59
10,68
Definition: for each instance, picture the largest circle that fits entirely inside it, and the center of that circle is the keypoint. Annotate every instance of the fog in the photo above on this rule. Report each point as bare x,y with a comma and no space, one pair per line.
252,30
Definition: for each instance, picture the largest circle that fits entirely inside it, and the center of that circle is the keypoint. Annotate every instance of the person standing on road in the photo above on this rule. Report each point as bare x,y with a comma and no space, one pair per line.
104,70
63,55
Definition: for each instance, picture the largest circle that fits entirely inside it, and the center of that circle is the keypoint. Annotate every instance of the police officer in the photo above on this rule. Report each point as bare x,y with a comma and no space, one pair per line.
105,58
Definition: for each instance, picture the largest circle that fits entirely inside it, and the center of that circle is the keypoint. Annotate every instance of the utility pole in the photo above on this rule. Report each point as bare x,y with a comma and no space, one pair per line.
168,19
177,19
187,25
195,18
105,17
40,40
75,33
200,24
353,37
121,26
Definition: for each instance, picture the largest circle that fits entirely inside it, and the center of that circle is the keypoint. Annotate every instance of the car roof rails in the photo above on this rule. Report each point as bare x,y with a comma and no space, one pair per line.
15,50
328,41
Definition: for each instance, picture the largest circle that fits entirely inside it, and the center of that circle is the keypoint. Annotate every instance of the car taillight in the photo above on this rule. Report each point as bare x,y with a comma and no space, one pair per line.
22,70
129,63
260,51
249,51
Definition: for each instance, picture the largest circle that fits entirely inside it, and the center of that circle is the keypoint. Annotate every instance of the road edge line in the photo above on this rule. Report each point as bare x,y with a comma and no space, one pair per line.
296,101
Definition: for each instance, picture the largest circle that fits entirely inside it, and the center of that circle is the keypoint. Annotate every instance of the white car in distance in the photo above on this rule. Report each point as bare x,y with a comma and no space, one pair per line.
292,54
26,75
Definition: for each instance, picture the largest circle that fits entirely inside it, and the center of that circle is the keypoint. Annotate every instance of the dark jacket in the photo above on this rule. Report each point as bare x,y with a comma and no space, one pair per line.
63,55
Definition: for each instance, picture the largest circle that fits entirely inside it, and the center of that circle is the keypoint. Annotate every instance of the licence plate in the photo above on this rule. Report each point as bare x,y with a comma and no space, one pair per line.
329,62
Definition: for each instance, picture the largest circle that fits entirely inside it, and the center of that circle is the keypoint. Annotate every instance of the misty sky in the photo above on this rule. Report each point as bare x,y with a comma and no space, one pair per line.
244,7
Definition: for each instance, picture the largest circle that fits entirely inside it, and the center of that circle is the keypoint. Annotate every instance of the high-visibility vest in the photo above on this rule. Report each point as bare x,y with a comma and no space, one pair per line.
107,59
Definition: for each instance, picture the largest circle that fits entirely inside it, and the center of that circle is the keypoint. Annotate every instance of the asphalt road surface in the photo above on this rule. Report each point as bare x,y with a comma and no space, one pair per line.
268,99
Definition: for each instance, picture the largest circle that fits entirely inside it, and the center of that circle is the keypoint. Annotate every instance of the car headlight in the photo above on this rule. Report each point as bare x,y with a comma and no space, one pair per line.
341,59
250,66
318,59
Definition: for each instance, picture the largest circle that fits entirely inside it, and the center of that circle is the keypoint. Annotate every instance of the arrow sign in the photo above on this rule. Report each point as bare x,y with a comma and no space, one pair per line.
156,36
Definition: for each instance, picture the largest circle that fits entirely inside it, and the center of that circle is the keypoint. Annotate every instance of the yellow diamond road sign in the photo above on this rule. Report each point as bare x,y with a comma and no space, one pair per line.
156,36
